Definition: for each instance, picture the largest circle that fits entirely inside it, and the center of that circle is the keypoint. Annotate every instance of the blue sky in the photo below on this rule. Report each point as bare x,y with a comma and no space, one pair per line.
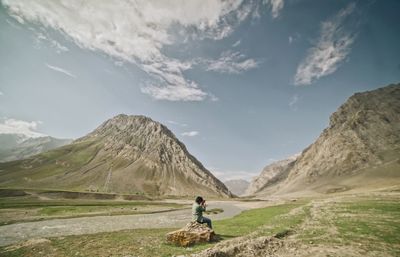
241,83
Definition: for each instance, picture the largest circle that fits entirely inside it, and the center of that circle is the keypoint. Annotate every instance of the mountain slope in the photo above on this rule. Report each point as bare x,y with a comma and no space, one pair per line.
17,147
126,154
272,174
237,186
359,149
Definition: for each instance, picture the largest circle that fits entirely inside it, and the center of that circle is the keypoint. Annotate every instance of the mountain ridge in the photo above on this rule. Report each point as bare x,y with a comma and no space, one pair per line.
237,186
359,149
125,154
17,146
271,174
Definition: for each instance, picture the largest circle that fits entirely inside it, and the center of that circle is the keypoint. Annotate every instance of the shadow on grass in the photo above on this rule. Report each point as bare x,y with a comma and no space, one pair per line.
220,237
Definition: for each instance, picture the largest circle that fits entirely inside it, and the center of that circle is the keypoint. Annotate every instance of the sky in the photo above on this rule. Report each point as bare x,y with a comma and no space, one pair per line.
241,83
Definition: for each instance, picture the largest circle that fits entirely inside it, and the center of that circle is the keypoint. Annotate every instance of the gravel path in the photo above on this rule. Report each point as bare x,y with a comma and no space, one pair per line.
14,233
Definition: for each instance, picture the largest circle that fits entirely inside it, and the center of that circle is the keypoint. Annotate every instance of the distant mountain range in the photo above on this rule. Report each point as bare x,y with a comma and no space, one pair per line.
272,174
237,186
126,154
359,150
18,146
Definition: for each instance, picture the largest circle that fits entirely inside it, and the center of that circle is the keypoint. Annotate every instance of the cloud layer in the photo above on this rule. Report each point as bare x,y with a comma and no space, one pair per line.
276,7
137,32
331,49
231,62
190,133
177,123
225,175
26,128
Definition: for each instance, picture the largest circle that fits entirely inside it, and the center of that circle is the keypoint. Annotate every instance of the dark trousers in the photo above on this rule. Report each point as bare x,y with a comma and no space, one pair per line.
206,220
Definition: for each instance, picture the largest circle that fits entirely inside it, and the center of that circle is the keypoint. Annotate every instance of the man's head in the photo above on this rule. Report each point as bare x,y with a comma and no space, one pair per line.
199,199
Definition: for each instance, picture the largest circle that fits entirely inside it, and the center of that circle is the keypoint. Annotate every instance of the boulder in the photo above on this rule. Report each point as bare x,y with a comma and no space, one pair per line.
192,233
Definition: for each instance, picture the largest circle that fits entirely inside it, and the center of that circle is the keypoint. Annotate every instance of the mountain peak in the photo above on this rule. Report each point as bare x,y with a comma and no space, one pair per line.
359,149
131,153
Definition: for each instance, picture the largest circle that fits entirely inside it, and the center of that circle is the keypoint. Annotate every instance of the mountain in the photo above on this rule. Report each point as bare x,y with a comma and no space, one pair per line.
126,154
360,149
237,186
272,174
18,146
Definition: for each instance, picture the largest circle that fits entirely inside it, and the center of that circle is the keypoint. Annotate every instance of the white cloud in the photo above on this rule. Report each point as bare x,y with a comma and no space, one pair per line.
25,128
41,37
175,93
293,38
190,133
293,102
177,123
213,98
231,62
137,32
236,43
276,6
13,24
58,69
225,175
331,49
1,93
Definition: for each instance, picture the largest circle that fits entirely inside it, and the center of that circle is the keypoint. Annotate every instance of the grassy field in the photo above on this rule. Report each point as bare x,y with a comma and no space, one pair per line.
22,209
370,225
149,242
337,226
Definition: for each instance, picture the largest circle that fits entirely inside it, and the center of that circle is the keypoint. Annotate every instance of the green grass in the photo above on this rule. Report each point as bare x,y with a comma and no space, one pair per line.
364,225
265,220
375,223
88,209
368,225
23,203
54,162
12,209
214,211
151,242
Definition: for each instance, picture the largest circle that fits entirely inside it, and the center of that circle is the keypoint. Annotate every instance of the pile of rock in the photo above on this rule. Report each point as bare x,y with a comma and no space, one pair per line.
192,233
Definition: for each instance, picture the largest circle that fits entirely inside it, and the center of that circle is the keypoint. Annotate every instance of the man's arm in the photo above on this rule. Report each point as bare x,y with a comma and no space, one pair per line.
203,205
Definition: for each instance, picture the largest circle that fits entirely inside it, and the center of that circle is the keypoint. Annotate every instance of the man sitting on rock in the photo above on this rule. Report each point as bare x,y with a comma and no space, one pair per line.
198,207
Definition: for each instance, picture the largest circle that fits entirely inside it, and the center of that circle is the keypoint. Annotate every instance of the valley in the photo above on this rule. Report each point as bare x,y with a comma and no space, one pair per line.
118,190
359,224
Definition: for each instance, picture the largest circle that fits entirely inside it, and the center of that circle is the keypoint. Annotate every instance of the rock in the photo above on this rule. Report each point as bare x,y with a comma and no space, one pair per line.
192,233
247,247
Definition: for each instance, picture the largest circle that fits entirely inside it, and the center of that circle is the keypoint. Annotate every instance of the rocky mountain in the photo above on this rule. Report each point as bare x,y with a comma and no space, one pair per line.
359,149
272,174
126,154
17,146
237,186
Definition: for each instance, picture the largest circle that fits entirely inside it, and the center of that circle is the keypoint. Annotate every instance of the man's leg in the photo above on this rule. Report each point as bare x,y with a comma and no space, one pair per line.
208,221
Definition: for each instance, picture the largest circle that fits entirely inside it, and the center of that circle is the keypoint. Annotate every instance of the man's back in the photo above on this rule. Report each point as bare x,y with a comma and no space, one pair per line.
197,211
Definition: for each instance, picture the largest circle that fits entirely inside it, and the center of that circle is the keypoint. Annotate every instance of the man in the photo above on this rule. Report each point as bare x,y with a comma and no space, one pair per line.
198,207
